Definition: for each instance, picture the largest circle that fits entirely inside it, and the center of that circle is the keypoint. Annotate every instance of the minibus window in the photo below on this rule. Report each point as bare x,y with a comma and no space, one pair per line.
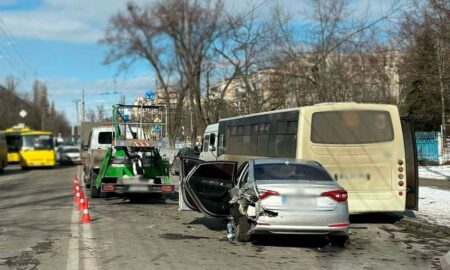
351,127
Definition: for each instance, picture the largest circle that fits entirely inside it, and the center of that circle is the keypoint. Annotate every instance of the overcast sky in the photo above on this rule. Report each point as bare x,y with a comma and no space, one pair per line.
58,40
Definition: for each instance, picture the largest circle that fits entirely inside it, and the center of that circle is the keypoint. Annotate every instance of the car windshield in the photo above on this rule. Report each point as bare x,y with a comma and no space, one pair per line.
37,142
71,150
105,137
289,171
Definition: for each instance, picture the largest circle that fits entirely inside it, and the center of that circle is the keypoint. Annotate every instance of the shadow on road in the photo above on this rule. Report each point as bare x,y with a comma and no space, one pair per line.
12,170
376,218
303,241
16,169
215,224
59,200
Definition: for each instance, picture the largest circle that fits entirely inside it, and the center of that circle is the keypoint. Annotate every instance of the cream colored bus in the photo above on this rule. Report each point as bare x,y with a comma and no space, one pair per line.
363,146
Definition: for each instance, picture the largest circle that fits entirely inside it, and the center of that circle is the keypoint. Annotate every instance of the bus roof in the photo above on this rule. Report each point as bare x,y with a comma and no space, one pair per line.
212,128
261,113
322,106
37,132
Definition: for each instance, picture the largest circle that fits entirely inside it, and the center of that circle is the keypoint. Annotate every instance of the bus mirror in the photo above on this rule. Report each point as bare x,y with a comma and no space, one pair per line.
212,148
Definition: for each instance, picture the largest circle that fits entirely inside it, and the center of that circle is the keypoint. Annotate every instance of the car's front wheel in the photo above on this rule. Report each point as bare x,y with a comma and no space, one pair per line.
242,229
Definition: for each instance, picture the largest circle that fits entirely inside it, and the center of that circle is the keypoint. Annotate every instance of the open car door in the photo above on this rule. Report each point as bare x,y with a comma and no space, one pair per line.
208,185
412,175
185,201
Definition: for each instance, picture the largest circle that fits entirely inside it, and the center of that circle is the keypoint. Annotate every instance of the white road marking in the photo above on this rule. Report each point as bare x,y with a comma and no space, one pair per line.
89,257
81,239
88,247
73,257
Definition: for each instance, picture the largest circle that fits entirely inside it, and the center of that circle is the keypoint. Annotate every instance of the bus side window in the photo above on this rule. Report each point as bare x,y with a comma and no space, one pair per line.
286,139
206,143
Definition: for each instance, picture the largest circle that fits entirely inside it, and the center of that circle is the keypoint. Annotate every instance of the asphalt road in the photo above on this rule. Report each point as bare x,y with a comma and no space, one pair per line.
39,230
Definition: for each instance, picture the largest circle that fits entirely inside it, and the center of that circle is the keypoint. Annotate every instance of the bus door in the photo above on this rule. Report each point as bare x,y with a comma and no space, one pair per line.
412,176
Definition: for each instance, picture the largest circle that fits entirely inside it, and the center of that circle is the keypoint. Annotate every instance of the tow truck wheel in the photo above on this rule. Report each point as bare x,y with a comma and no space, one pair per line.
242,228
95,192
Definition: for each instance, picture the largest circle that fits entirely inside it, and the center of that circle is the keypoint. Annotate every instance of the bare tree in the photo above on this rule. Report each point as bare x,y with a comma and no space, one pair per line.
90,115
173,37
101,113
338,47
425,70
11,83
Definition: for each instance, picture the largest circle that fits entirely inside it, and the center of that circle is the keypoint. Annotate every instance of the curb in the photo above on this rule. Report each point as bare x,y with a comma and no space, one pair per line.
445,261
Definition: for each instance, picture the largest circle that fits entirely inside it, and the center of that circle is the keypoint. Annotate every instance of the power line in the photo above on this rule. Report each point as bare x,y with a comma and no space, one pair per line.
21,72
256,8
7,33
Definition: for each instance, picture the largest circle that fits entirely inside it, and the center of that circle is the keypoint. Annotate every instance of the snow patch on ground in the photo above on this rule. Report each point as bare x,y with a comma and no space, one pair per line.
435,172
434,205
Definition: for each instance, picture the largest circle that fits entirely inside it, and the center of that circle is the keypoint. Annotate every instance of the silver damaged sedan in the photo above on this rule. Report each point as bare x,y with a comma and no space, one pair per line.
268,196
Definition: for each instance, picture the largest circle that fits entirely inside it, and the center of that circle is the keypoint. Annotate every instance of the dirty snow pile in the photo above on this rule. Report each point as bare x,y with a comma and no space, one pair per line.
434,205
435,172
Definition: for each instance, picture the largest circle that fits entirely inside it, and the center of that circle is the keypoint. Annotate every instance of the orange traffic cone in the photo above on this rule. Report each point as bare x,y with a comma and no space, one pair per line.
75,181
82,204
85,217
76,189
77,197
86,205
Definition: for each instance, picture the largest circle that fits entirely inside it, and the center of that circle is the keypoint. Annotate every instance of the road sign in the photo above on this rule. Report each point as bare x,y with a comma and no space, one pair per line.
23,113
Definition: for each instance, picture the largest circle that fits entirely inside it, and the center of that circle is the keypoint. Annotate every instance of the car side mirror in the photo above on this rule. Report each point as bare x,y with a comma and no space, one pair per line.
212,148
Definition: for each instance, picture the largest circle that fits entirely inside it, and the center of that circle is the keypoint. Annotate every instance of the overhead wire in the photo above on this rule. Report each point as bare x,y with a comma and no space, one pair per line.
256,8
12,41
11,62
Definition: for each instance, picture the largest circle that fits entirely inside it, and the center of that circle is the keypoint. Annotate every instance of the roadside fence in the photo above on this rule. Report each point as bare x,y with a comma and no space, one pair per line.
432,149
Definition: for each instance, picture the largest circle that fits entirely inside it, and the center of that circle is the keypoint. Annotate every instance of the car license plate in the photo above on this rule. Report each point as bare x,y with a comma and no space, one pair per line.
156,188
298,201
138,188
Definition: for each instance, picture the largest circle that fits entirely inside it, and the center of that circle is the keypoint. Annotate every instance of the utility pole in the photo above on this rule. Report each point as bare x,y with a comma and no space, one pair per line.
441,86
77,101
82,106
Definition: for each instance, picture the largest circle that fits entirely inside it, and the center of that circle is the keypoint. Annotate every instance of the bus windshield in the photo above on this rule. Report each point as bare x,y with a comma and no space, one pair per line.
37,142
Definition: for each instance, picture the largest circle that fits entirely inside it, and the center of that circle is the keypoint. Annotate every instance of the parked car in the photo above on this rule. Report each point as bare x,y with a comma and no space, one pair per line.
69,155
183,152
268,196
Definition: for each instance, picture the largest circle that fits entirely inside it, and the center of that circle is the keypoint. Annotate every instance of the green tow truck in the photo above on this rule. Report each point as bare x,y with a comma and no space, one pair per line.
132,166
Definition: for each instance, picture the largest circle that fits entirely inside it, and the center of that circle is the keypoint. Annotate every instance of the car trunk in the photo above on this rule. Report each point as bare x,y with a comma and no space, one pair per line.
296,195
